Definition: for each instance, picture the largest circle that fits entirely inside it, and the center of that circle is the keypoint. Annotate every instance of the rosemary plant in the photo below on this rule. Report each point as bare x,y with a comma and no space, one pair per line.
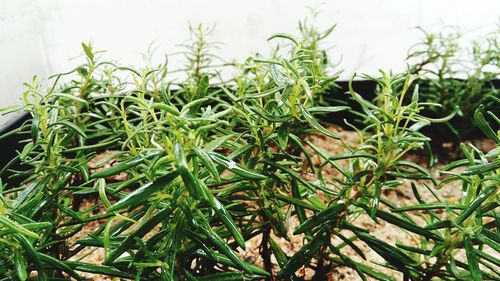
457,77
184,174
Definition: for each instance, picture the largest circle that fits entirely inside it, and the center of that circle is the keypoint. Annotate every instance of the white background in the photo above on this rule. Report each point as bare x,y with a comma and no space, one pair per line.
42,36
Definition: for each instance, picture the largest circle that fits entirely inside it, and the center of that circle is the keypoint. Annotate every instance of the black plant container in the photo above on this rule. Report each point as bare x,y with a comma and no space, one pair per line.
10,144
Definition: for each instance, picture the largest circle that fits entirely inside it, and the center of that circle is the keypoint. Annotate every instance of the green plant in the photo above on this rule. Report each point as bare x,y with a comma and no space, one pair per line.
456,77
377,164
185,174
470,222
156,135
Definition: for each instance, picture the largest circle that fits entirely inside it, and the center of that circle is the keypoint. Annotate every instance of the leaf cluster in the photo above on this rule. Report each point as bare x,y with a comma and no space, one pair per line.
185,174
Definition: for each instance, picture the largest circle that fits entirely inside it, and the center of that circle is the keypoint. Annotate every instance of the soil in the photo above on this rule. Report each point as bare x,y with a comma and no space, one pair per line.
402,195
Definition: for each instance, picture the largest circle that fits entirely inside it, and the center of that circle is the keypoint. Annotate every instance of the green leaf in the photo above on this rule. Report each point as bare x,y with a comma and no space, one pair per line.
165,107
207,162
70,97
262,94
297,196
304,254
26,150
218,142
235,168
298,203
32,254
100,185
192,106
376,200
223,215
71,126
379,275
280,257
59,265
315,124
410,226
348,241
292,173
100,269
124,166
16,227
329,109
322,217
278,78
224,276
143,193
223,247
88,51
92,146
139,232
347,261
269,117
298,142
284,36
425,174
474,205
283,136
429,206
481,168
20,265
188,178
35,122
483,125
390,253
472,259
202,88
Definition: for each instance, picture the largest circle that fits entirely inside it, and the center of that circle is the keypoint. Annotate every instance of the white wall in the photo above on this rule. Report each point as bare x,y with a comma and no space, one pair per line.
41,36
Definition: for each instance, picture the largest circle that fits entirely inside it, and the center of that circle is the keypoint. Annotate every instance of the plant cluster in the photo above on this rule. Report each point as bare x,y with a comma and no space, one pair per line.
186,173
457,76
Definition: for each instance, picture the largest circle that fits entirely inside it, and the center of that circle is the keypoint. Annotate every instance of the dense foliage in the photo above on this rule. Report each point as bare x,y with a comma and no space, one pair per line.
187,171
457,76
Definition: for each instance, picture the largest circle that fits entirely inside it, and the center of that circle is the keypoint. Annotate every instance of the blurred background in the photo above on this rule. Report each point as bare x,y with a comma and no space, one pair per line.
43,37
